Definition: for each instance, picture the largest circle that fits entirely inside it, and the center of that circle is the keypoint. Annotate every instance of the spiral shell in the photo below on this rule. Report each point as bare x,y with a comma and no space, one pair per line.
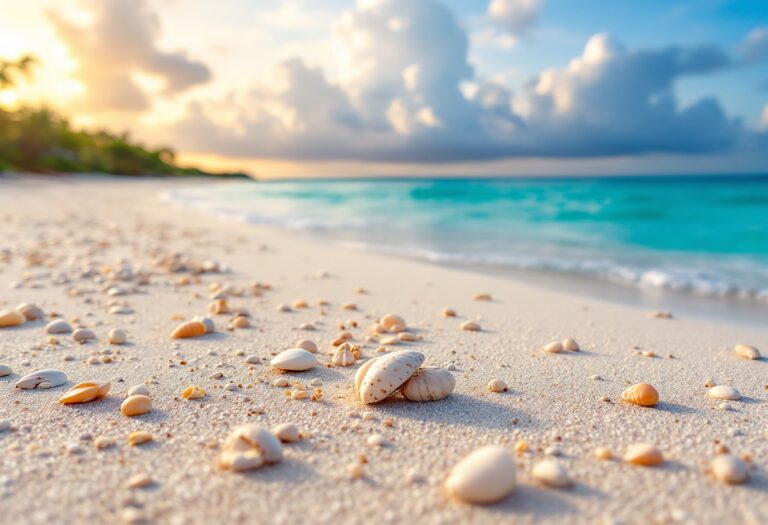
189,329
380,377
429,384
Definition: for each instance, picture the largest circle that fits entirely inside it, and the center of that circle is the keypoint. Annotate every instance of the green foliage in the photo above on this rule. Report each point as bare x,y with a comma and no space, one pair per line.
42,141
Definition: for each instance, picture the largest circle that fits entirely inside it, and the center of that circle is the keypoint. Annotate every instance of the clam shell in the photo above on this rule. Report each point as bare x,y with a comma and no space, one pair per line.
189,329
59,326
47,378
30,311
747,352
384,375
249,447
136,405
486,475
81,335
641,394
294,360
85,392
11,318
117,337
570,345
429,384
724,392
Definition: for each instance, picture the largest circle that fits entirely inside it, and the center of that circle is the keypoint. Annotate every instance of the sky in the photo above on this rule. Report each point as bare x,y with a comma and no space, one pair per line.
410,87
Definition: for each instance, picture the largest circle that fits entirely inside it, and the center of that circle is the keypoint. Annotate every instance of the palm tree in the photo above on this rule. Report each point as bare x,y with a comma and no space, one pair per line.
10,70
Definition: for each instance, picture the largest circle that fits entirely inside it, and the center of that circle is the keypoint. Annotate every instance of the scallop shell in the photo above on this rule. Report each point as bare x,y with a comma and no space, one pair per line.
429,384
641,394
342,356
84,392
11,318
59,326
486,475
189,329
747,352
30,311
47,378
379,378
250,446
294,360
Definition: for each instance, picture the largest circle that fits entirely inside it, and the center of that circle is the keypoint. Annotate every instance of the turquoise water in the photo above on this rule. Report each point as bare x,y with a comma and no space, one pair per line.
701,235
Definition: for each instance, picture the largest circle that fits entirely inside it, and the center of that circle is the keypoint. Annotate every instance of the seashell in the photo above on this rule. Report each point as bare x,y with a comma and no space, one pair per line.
193,392
59,326
219,307
207,322
139,437
117,337
120,310
570,345
47,378
249,447
377,440
497,385
138,390
81,335
84,392
603,453
407,337
429,384
641,394
342,356
393,323
189,329
482,297
309,327
5,370
554,347
448,312
341,338
294,360
747,352
10,318
551,473
286,432
470,326
306,344
724,392
240,322
394,340
380,377
136,405
30,311
253,359
486,475
643,454
729,469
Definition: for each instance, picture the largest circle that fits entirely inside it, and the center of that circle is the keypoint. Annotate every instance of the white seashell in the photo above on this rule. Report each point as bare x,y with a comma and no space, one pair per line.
486,475
554,347
551,473
59,326
429,384
307,345
30,311
10,318
294,360
724,392
117,337
253,360
138,390
377,440
5,370
286,432
81,335
747,352
343,356
250,446
729,469
47,378
379,378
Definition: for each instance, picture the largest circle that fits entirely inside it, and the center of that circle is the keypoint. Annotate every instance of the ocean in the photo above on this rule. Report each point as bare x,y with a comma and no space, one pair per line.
700,236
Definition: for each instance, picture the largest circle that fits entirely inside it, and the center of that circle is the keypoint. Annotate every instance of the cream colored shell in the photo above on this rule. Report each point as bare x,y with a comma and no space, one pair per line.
486,475
42,379
380,377
429,384
294,360
249,447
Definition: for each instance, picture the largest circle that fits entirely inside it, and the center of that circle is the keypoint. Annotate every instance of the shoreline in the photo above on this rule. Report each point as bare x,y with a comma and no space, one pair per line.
569,401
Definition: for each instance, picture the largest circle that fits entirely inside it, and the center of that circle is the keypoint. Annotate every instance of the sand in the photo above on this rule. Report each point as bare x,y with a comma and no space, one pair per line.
52,472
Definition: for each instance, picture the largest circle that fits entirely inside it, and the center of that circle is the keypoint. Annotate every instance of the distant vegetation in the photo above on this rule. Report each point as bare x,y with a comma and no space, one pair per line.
40,140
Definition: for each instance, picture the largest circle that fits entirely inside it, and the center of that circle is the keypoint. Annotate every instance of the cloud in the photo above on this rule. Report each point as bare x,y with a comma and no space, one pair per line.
514,17
754,48
121,42
405,92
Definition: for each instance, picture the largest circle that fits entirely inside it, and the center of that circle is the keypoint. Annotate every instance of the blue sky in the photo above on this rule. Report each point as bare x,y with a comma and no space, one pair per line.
335,87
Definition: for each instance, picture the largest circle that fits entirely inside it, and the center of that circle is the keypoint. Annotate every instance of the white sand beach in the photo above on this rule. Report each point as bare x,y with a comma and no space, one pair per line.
66,238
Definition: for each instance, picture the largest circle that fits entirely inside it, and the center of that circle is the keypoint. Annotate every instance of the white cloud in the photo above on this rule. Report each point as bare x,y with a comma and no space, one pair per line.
514,17
754,48
406,93
118,45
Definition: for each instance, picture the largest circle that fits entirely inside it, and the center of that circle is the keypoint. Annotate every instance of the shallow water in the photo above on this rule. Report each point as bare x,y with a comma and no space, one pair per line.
704,236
